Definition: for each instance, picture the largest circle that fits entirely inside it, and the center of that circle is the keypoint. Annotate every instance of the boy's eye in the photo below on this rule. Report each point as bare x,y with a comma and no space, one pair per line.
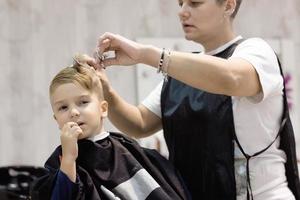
180,3
195,3
62,107
191,3
84,102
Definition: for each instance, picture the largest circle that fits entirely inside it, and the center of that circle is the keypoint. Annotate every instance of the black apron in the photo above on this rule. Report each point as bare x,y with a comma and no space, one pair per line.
199,132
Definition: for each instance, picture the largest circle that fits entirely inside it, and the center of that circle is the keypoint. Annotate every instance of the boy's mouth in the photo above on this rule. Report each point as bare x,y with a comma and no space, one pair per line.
80,123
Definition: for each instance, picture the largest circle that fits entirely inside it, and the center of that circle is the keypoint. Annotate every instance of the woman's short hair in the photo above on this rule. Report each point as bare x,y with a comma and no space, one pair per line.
238,3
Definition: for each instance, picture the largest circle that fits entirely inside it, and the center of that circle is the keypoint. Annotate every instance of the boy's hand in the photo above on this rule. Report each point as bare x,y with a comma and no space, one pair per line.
69,136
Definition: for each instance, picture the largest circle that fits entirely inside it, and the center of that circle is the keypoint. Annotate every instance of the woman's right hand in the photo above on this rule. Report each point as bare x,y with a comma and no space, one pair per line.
127,52
100,72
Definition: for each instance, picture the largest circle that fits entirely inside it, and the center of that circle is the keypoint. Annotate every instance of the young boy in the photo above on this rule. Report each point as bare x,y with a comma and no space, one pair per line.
92,163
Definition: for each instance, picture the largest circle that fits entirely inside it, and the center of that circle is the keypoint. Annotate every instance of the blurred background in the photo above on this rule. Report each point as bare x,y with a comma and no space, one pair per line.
38,38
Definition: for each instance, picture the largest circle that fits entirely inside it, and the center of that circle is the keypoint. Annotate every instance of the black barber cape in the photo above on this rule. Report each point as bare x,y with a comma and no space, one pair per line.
115,168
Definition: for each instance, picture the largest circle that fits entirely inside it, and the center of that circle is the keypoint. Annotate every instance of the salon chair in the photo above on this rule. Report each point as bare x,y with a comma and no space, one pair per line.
15,181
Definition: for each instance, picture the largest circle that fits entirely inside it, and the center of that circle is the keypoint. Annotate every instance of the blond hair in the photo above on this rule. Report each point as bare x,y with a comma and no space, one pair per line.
81,74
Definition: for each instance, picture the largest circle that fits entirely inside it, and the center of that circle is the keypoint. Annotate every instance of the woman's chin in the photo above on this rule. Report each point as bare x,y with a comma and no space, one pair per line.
188,36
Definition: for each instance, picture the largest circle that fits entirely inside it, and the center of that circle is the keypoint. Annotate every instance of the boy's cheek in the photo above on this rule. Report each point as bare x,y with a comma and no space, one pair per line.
60,124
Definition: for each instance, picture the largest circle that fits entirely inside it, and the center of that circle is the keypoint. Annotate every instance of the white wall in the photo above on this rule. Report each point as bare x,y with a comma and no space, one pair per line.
38,38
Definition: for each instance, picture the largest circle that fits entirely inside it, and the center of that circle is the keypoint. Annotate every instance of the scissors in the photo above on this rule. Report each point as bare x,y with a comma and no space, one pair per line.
100,57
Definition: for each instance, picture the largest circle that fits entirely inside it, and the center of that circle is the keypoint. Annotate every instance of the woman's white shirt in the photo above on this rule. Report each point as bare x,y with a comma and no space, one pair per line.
256,122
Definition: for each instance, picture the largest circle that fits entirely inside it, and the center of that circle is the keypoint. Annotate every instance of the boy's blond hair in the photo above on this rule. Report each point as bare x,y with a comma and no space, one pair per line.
81,74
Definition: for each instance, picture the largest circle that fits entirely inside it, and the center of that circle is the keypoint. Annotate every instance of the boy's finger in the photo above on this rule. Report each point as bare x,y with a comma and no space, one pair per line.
68,125
77,133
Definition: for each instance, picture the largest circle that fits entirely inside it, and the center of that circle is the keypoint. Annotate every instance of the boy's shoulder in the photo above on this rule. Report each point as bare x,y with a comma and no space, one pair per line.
122,137
131,143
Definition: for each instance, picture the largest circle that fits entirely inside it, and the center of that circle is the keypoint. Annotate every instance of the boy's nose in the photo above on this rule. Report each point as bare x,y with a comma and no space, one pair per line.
74,112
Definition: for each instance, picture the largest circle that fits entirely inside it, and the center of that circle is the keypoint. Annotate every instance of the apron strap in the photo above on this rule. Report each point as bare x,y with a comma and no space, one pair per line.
283,121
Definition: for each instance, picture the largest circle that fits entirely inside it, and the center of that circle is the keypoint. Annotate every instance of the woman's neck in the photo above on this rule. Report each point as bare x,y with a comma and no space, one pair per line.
221,37
212,45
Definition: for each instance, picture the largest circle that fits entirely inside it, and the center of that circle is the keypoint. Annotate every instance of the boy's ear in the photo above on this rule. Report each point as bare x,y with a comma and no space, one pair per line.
56,121
104,108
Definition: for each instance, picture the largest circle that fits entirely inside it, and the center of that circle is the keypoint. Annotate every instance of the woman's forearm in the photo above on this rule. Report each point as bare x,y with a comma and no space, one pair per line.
131,119
209,73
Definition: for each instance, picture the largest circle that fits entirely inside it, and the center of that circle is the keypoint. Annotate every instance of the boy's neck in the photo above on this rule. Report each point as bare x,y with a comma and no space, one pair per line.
100,136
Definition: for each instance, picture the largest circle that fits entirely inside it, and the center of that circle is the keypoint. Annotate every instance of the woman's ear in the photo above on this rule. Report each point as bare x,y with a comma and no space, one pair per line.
54,117
104,108
230,6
